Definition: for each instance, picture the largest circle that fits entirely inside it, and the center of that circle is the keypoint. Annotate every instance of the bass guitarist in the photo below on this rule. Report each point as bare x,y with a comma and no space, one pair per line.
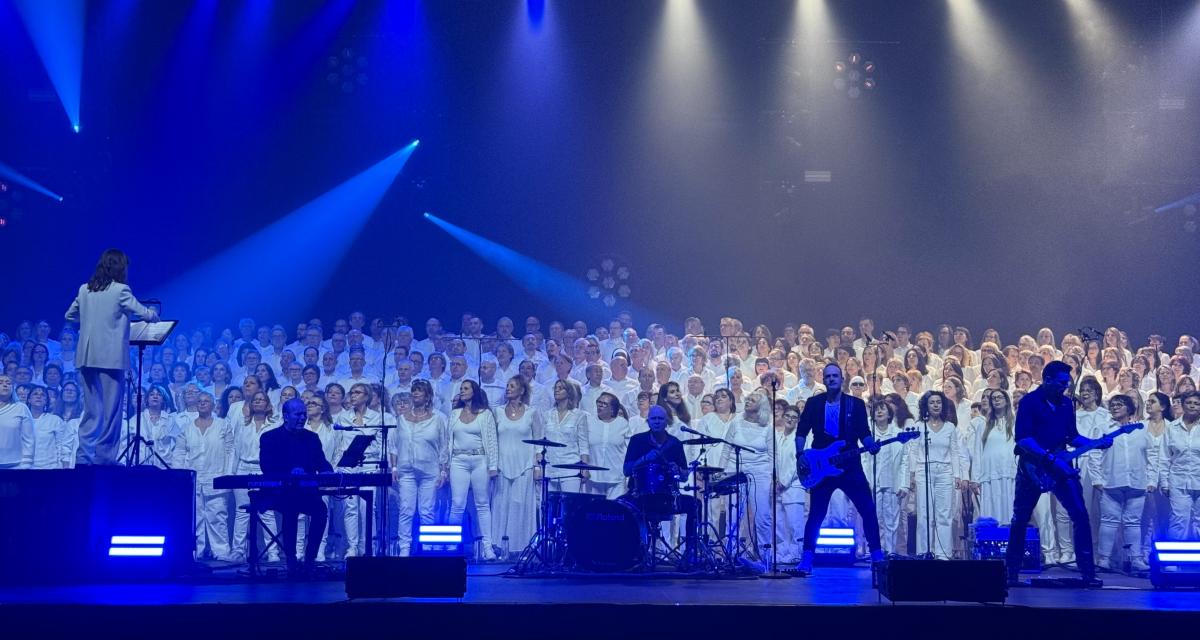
833,416
1045,426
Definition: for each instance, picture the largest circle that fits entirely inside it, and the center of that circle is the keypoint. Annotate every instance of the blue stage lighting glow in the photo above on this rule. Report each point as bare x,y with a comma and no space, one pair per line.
16,177
326,226
835,542
57,29
143,540
1175,545
536,277
75,127
135,552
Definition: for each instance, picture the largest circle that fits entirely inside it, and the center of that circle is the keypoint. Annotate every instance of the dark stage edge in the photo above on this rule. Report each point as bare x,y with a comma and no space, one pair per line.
835,600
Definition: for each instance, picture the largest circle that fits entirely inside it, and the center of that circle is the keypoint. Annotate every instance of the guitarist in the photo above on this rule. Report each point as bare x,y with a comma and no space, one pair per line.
829,417
1045,426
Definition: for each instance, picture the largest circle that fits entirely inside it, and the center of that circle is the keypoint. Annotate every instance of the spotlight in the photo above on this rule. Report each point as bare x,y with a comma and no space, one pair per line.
854,75
75,127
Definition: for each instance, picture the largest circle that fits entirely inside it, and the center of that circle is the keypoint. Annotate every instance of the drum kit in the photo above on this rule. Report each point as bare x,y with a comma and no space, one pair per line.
585,533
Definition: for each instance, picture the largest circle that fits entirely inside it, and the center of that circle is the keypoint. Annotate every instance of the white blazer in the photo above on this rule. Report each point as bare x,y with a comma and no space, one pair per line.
103,318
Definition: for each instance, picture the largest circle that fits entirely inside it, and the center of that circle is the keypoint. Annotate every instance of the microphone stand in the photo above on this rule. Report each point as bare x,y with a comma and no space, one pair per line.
385,455
774,572
928,555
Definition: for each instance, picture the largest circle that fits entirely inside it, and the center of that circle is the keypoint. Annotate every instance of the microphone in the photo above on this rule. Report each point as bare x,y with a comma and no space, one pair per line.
687,429
338,427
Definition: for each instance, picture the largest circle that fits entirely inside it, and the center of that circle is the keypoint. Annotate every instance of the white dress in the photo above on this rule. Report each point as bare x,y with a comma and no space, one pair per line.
995,470
756,464
514,504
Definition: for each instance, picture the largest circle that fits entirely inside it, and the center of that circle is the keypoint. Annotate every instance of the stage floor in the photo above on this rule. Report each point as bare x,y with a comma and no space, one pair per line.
488,585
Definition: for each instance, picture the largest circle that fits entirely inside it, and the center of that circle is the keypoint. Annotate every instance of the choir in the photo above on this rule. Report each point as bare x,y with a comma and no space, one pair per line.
462,404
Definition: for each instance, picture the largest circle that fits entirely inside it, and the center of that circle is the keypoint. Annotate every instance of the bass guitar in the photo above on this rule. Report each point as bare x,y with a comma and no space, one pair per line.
817,464
1047,474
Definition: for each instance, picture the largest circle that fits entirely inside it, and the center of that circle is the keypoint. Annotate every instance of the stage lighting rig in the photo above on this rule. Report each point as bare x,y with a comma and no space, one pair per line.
609,281
855,76
347,70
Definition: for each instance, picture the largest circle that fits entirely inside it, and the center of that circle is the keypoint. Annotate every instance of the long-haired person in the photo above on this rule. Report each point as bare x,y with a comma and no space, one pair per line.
608,439
514,506
1180,475
1123,474
566,424
944,477
887,473
1157,515
247,431
1091,418
994,470
473,460
103,307
753,431
206,447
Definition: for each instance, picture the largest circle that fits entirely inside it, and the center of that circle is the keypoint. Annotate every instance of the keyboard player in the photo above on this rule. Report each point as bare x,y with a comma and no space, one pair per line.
294,450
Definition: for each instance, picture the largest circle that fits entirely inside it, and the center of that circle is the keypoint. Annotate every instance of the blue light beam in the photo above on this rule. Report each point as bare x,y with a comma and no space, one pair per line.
560,290
56,29
8,173
1183,202
312,238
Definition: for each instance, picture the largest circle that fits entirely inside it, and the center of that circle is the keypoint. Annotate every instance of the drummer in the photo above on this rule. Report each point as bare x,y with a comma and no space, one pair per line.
656,446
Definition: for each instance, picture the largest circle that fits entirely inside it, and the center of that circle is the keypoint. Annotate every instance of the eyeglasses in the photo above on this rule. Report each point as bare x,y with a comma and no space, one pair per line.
858,384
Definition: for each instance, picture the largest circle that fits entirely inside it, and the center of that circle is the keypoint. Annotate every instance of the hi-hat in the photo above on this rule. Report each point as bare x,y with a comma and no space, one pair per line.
695,442
544,443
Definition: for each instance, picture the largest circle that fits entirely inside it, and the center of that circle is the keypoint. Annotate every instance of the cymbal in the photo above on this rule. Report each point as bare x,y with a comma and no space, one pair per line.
544,443
579,466
708,470
694,442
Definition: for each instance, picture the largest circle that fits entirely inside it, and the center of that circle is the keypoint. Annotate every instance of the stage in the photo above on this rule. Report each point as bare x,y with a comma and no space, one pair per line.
587,607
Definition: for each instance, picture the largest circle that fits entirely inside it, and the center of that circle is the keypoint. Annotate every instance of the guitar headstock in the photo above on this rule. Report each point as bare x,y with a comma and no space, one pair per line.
1129,428
905,436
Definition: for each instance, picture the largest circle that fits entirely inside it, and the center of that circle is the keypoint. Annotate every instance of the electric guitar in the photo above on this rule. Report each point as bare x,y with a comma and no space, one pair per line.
1048,474
817,464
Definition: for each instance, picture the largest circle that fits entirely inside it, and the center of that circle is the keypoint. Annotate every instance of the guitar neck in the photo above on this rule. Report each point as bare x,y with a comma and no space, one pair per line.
1099,442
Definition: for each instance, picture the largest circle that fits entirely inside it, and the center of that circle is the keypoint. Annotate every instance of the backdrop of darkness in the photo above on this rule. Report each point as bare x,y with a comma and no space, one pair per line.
1007,193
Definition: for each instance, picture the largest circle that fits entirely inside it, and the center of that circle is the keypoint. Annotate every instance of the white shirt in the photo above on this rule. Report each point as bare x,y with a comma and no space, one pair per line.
944,451
372,455
889,468
1181,457
246,443
422,445
50,442
209,453
572,430
1132,460
16,436
753,436
607,442
590,395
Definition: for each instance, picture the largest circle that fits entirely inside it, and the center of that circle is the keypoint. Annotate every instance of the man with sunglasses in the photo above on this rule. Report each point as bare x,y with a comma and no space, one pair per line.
1045,426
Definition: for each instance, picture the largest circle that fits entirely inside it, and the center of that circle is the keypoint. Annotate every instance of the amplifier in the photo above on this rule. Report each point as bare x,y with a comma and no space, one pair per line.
991,543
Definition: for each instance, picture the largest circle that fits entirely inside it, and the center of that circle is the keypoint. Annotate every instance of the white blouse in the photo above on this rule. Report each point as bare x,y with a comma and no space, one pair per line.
607,442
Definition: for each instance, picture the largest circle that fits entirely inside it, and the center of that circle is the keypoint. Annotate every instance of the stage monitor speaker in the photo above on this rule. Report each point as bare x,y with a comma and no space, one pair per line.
92,524
412,577
938,580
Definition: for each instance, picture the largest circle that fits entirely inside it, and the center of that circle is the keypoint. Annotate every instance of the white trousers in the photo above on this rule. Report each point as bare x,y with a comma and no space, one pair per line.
1156,520
469,473
100,425
1185,514
996,499
758,508
1120,508
352,524
942,495
212,523
887,509
241,523
610,490
417,491
570,485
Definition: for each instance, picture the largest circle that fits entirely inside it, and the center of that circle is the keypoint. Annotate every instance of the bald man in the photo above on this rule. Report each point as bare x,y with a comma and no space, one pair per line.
295,450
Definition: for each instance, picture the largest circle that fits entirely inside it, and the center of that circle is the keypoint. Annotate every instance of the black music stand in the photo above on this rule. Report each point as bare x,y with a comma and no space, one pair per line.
144,334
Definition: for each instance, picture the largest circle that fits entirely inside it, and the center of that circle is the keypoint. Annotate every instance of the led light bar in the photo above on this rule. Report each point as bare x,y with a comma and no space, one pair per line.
142,540
439,538
826,531
1166,545
835,542
136,552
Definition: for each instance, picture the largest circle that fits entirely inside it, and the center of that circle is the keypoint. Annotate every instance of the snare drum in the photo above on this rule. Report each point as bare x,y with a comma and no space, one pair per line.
655,487
604,535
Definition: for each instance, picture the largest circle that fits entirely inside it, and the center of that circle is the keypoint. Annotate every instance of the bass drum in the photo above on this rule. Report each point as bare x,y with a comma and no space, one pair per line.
607,535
